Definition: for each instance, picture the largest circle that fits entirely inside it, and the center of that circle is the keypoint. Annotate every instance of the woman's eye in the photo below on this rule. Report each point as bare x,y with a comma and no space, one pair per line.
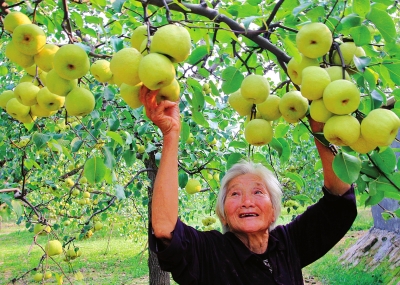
234,194
259,192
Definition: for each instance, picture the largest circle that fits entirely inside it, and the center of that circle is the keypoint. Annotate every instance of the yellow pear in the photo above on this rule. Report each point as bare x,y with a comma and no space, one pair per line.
53,247
258,132
156,71
45,58
170,92
41,229
33,70
269,109
314,40
71,62
293,106
342,130
37,277
239,103
130,95
295,68
5,96
336,72
348,50
14,19
27,119
143,47
341,97
16,109
362,145
120,61
313,83
139,34
319,112
41,112
29,78
26,93
172,41
29,39
17,57
193,186
380,127
58,85
100,69
49,100
79,102
255,88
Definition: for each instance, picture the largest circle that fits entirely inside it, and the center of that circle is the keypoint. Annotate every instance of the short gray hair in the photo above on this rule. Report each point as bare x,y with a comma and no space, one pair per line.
245,167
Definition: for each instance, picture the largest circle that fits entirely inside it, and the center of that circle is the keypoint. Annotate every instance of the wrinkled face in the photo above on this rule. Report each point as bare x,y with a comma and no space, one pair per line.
248,207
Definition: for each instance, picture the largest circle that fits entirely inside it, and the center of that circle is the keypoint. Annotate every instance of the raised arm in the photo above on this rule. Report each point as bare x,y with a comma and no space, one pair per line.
164,115
331,181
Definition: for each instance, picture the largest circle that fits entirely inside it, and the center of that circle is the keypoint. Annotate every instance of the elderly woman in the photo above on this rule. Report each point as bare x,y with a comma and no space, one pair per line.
251,250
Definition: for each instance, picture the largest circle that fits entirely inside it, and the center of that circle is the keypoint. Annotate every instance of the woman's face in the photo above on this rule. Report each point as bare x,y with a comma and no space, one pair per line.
248,207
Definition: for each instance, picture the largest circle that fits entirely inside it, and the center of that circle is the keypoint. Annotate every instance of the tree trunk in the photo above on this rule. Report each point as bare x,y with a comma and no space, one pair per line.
156,275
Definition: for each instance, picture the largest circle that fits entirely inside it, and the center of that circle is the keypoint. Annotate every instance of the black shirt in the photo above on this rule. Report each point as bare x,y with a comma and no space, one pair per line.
195,257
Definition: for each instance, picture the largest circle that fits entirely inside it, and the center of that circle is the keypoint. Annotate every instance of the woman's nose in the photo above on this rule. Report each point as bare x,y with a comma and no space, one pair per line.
247,201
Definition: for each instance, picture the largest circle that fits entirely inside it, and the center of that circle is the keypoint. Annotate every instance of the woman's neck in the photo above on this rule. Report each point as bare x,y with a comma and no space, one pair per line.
256,243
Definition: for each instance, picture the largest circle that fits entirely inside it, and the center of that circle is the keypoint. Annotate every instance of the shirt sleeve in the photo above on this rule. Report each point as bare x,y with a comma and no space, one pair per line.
174,257
322,225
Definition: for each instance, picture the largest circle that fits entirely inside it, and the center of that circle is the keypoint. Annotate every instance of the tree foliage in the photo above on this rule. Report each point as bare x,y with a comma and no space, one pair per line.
102,152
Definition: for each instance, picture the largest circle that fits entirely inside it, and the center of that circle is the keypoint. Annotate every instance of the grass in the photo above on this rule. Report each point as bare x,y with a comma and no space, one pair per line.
119,260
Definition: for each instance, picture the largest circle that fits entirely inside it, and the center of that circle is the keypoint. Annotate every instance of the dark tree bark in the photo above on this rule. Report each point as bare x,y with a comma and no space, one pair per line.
156,275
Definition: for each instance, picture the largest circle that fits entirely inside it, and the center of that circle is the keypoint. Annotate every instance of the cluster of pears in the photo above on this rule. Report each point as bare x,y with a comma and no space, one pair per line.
52,74
334,97
149,61
208,223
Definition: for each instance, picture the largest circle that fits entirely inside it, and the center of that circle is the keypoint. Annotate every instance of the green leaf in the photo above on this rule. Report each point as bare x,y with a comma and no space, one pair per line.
95,170
301,8
129,157
361,62
383,21
281,130
232,159
117,5
120,192
315,13
199,119
197,54
76,144
361,7
185,132
298,132
347,167
394,71
300,183
385,161
361,35
182,179
117,44
40,139
232,80
116,137
303,198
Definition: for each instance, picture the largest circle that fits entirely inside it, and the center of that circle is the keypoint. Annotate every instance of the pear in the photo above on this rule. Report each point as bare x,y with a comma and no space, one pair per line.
15,19
348,50
239,103
341,97
17,57
269,109
319,112
16,109
45,58
342,130
58,85
293,106
156,71
53,247
314,81
170,92
29,39
5,96
79,102
41,112
118,65
48,100
71,62
139,34
130,94
26,93
314,40
336,72
100,69
172,41
255,88
380,127
258,132
193,186
295,68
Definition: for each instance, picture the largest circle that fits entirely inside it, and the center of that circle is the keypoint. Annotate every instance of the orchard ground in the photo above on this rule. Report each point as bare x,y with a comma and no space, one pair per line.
110,258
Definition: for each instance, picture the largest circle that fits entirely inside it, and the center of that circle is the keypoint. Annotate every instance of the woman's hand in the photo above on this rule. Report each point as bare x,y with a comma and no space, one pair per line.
164,115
